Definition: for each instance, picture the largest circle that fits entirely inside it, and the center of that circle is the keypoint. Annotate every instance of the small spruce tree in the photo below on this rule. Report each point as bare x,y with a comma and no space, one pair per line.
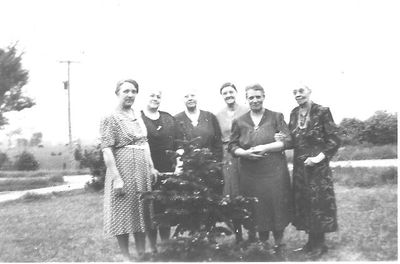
196,207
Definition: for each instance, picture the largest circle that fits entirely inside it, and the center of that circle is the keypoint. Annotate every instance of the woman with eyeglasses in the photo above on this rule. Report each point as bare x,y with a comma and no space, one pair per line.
314,138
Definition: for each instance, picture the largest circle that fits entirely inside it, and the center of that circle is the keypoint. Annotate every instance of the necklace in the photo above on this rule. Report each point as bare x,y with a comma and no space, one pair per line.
303,119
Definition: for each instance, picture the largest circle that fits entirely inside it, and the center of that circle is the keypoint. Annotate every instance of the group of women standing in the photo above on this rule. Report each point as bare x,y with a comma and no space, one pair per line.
249,140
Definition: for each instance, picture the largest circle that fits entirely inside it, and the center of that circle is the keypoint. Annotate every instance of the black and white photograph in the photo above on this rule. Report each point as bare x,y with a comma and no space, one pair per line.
199,131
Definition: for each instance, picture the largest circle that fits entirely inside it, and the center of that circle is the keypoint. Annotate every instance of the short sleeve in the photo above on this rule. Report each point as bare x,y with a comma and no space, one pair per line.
107,134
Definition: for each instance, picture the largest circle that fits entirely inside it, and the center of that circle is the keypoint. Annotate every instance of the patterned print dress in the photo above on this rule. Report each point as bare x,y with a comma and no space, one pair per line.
314,197
127,139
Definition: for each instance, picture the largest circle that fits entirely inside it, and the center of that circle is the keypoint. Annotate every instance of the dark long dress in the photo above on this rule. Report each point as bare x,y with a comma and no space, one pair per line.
267,178
162,134
207,129
314,197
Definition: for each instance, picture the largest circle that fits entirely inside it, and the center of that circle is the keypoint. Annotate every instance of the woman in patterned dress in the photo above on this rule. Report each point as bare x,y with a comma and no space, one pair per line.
314,138
263,168
130,171
230,168
162,133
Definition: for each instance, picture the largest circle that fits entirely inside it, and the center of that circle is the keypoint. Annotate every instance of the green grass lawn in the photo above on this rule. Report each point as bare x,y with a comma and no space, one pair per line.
67,227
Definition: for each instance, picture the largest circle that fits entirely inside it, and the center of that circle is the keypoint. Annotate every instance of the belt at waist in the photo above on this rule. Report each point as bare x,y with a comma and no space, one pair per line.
135,146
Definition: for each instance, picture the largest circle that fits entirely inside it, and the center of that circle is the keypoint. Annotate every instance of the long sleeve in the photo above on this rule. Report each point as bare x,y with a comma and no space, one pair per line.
234,139
178,135
217,139
332,140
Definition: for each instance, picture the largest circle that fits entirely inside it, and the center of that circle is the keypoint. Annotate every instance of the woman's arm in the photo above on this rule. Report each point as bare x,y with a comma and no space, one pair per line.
332,140
281,129
234,146
110,164
217,139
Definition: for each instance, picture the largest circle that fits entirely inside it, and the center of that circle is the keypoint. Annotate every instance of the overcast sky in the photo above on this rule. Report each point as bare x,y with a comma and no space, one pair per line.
348,52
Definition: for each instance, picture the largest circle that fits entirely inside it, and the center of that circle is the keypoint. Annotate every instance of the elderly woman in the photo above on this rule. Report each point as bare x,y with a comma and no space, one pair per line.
314,138
230,167
195,123
162,133
263,168
130,171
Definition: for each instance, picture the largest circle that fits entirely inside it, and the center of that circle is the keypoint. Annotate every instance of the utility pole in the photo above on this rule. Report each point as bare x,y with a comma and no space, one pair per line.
67,85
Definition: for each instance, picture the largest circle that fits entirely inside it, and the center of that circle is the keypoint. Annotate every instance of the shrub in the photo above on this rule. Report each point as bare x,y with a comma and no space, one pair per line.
381,128
194,203
26,162
93,159
3,159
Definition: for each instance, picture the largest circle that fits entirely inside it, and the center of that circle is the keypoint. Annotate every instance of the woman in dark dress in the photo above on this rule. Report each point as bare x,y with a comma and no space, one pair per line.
263,168
162,134
314,138
195,123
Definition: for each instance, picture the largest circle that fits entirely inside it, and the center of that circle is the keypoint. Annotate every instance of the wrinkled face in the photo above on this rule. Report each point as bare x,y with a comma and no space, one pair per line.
154,100
127,94
190,100
255,99
302,95
229,95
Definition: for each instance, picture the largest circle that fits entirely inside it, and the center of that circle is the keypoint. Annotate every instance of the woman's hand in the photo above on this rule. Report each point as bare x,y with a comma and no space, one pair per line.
249,154
279,137
311,161
154,175
260,150
118,186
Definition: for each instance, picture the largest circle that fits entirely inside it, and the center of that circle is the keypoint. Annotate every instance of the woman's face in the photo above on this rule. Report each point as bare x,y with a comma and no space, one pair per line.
127,94
302,95
154,100
255,99
229,95
190,101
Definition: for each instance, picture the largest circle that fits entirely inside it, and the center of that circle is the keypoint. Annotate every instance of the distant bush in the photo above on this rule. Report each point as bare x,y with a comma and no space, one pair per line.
26,162
379,129
364,177
3,159
93,159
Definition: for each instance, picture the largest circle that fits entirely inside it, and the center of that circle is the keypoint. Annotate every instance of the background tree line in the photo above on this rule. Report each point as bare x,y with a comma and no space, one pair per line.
379,129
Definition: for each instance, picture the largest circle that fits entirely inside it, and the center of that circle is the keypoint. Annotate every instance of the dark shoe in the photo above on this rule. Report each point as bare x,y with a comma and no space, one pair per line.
304,249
